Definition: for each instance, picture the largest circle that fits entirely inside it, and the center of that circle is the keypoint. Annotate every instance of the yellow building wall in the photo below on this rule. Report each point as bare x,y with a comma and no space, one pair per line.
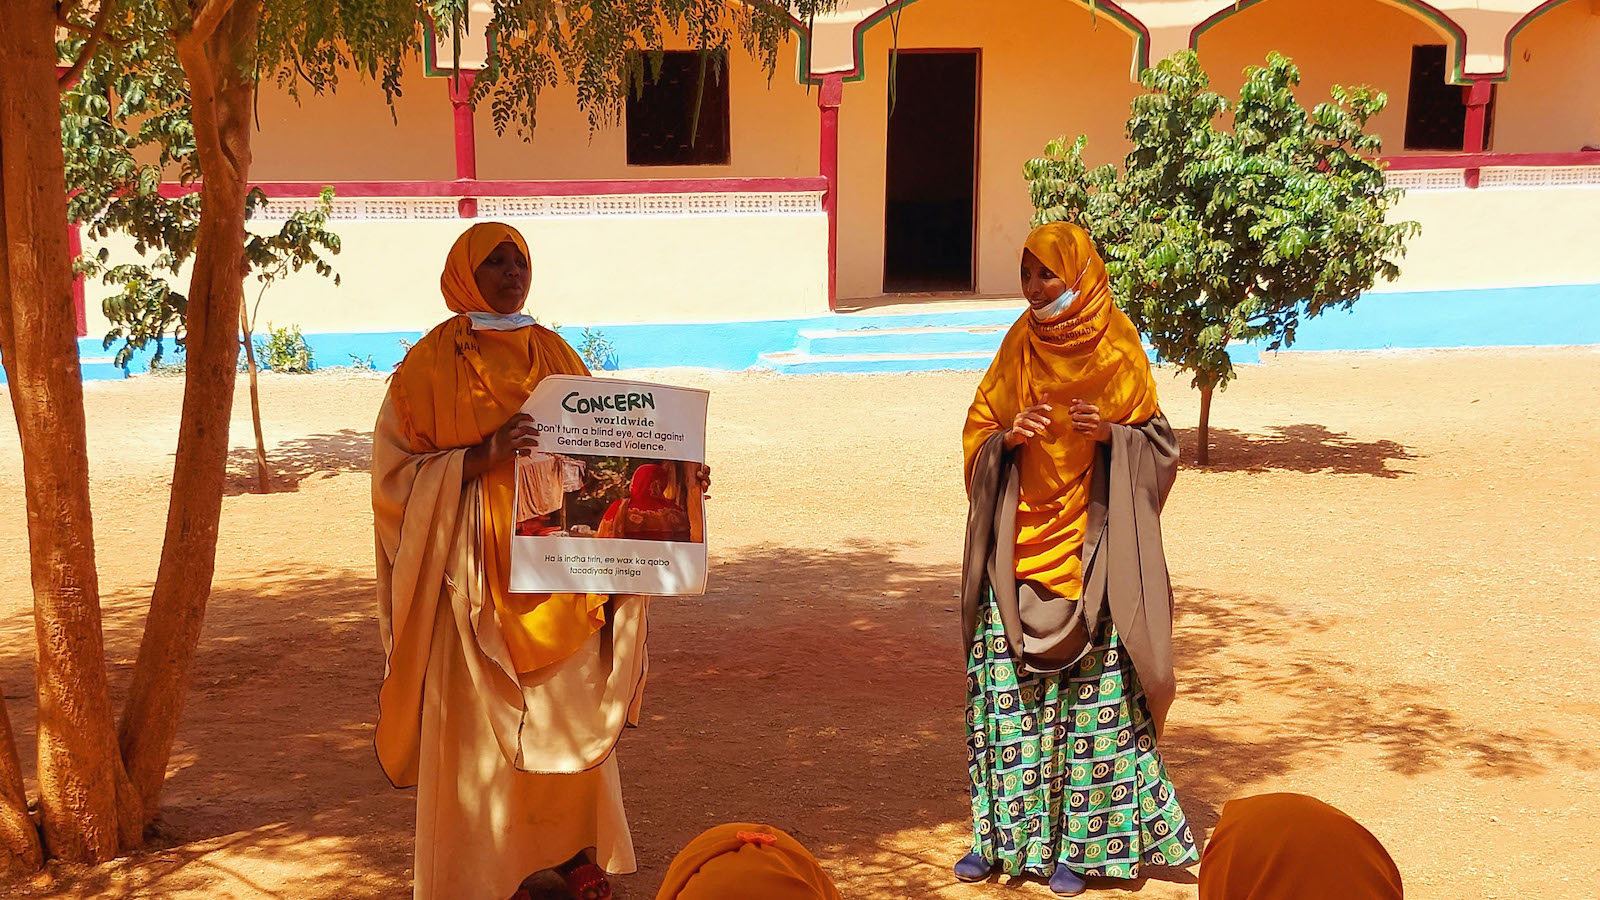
1552,101
1366,43
352,135
586,270
1551,242
1046,70
726,268
773,132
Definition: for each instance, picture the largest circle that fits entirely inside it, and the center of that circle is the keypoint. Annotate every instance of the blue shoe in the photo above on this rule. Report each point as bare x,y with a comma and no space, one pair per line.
973,867
1067,883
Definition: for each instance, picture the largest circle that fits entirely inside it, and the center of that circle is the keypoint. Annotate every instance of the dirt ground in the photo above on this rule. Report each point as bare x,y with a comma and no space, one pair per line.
1386,595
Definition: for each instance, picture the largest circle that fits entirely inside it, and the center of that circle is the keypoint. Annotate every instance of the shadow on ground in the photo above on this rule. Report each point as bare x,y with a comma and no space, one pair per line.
293,461
1297,448
821,692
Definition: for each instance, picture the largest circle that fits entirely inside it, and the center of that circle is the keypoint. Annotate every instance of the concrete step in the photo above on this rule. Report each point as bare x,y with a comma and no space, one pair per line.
101,368
931,339
965,347
94,368
794,362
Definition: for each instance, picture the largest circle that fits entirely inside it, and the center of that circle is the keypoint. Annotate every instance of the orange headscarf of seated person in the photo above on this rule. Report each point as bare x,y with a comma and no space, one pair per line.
1294,847
739,861
456,387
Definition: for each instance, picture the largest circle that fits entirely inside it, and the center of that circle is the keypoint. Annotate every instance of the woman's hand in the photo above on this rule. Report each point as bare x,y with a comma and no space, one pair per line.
1030,423
703,475
520,434
1087,422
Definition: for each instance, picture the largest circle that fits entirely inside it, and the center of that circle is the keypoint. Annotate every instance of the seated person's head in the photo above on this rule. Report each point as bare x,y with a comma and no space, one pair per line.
1294,847
736,861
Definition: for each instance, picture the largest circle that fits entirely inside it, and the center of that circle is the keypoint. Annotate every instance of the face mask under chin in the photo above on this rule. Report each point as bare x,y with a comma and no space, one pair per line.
1057,307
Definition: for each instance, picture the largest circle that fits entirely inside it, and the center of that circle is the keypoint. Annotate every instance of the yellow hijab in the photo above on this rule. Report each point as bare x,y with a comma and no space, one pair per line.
1294,847
738,861
456,387
1090,352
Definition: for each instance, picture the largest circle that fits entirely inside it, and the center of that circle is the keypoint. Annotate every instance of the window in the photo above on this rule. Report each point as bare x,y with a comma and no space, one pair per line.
661,115
1436,110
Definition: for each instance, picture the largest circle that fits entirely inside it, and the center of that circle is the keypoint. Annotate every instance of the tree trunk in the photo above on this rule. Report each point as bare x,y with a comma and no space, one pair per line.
20,851
1203,456
218,57
78,763
263,474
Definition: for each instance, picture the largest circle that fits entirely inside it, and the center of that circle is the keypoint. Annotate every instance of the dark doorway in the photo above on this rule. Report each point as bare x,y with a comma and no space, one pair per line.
932,173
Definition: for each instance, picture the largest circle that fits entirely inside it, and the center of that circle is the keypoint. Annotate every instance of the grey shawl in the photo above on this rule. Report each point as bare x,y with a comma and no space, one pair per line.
1124,565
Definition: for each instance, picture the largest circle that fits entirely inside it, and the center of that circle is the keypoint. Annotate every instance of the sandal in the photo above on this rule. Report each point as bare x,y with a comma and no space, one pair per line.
587,882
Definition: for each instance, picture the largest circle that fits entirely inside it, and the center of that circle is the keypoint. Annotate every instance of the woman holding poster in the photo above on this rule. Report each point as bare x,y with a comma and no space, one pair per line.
504,709
1066,604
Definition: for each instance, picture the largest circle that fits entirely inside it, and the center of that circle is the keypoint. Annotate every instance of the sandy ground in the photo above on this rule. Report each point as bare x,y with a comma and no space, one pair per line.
1386,594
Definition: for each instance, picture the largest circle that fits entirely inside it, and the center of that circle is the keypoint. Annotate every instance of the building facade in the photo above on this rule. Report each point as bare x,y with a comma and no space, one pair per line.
834,186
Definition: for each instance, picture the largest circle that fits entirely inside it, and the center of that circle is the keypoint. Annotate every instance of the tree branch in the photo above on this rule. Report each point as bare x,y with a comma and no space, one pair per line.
20,850
102,21
208,18
64,11
203,98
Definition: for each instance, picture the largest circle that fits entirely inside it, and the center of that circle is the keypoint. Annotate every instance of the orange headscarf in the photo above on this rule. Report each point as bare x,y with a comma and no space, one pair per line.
456,387
1092,353
733,862
1294,847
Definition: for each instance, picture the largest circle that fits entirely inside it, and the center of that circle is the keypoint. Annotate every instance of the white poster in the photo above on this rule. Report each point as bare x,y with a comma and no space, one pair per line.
611,502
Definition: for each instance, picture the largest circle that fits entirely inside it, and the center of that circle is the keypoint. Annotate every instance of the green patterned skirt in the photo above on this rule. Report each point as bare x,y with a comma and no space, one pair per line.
1064,767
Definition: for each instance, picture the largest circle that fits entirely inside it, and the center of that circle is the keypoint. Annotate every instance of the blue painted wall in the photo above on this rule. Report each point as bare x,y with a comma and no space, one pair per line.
1507,317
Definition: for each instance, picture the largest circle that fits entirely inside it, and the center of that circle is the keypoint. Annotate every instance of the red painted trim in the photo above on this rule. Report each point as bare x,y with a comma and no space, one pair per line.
466,137
468,188
75,247
1482,160
1475,137
829,98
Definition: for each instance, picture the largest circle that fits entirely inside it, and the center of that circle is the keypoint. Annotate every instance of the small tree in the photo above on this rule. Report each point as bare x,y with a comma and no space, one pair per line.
297,244
1212,236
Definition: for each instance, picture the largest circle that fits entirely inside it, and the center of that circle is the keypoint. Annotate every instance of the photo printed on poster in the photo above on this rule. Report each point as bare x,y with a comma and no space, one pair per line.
611,502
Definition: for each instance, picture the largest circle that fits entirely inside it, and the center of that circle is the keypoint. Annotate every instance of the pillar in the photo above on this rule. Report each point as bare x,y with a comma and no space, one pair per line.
1476,137
460,84
829,97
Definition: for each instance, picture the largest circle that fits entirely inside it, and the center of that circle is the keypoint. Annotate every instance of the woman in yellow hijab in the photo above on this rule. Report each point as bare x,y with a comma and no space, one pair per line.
502,709
1294,847
1066,605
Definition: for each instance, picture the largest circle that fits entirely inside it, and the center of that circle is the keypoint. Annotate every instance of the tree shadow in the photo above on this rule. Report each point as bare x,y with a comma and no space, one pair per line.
292,462
821,691
1283,716
1310,449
